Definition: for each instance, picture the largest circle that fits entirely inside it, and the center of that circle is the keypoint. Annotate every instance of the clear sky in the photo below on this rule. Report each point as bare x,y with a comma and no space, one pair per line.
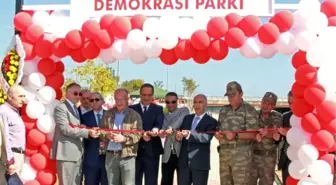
255,75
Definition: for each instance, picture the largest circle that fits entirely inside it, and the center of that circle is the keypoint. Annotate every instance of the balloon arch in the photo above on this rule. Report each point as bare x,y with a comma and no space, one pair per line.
34,60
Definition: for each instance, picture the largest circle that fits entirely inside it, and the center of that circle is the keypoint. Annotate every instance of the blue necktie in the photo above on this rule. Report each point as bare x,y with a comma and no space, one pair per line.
194,123
98,119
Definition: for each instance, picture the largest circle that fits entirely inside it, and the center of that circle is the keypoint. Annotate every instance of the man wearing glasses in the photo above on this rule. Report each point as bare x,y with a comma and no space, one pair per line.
172,121
94,156
67,147
85,104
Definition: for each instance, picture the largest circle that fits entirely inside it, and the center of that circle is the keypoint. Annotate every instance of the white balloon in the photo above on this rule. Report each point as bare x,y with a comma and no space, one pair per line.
36,80
185,28
45,124
41,18
328,35
251,48
167,25
50,37
296,137
317,23
297,170
319,171
46,94
138,56
120,50
286,43
35,109
299,20
307,181
308,154
325,73
152,48
200,22
151,28
50,136
136,39
309,7
304,40
168,41
106,55
292,153
30,93
50,108
295,121
28,173
30,66
268,51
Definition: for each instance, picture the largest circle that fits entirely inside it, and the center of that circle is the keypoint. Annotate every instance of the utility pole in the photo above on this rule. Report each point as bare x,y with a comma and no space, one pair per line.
18,8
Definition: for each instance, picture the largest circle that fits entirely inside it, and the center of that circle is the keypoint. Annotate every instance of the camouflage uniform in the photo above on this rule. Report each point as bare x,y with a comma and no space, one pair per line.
265,152
236,156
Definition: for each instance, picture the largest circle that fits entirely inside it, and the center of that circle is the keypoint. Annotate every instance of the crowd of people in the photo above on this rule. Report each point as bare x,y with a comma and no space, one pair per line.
122,145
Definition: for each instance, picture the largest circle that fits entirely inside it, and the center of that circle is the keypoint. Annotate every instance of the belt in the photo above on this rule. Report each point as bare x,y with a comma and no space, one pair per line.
114,152
234,145
264,152
18,150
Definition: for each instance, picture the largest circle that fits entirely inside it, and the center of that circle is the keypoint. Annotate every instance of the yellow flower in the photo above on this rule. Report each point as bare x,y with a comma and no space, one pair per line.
0,94
8,73
5,97
11,58
16,63
12,62
13,69
11,82
2,101
16,57
14,75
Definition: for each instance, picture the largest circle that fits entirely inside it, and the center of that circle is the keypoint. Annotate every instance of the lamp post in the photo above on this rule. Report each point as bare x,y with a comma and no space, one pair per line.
18,8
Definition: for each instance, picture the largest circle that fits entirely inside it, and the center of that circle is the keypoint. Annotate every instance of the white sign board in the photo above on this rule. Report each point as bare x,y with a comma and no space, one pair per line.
97,8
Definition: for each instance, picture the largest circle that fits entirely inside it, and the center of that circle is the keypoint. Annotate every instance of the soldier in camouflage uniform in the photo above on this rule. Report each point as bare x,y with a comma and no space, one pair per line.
265,150
235,152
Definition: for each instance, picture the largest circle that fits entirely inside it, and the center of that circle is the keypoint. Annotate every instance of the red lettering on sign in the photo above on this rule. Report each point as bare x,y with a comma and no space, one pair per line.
168,4
145,5
133,4
109,5
199,3
157,5
179,5
209,4
120,5
98,5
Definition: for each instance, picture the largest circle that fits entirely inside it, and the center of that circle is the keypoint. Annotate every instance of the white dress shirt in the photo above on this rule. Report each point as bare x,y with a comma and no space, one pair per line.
101,112
143,107
73,107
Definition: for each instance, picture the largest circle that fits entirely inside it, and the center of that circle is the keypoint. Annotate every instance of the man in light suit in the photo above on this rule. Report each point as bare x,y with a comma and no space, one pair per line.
172,121
194,159
67,146
94,157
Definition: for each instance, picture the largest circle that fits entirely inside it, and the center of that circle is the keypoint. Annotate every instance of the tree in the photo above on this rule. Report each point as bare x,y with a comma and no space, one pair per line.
189,86
132,85
158,84
95,77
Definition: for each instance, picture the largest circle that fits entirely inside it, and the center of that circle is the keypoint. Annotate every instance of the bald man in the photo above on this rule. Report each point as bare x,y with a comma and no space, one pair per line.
13,133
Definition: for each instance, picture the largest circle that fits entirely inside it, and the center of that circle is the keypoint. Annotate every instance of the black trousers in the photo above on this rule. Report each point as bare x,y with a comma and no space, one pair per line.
285,172
168,170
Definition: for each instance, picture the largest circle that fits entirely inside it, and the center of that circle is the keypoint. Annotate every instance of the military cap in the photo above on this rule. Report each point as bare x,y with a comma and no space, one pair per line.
271,97
232,88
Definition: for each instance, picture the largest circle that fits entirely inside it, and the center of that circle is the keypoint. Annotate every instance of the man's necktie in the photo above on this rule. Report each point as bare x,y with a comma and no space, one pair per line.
76,111
144,109
194,123
98,119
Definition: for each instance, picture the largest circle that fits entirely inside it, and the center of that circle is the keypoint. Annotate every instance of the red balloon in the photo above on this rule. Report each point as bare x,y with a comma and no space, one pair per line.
200,40
51,165
300,107
268,33
30,12
38,162
201,56
310,123
31,150
330,127
103,39
249,25
56,80
284,20
34,33
326,110
46,177
168,57
106,21
46,66
137,21
328,7
323,140
60,66
77,56
235,38
29,123
90,50
59,94
74,39
306,75
217,27
23,37
32,182
184,50
29,50
330,159
43,48
45,149
36,138
120,27
315,94
332,21
299,59
291,181
90,28
218,49
332,149
233,19
22,21
298,90
60,49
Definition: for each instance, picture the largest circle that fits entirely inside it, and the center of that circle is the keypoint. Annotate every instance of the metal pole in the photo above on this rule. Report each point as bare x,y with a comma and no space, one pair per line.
18,8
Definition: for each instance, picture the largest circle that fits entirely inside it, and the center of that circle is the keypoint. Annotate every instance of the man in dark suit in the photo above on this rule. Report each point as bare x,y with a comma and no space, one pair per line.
194,160
94,159
150,146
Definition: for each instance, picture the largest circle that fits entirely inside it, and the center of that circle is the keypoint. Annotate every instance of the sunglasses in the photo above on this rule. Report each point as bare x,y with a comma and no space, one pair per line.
170,102
96,99
77,93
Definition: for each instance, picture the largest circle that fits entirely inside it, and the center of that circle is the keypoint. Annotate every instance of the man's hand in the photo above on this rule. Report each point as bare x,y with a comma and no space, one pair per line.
282,131
179,136
185,133
219,136
154,132
276,136
169,131
109,136
82,126
263,132
259,137
93,133
146,137
230,135
162,133
118,138
11,169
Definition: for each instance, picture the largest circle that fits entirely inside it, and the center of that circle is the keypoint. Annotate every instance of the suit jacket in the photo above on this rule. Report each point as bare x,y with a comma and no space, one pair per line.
67,143
3,156
173,120
195,150
283,158
153,118
132,121
91,145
